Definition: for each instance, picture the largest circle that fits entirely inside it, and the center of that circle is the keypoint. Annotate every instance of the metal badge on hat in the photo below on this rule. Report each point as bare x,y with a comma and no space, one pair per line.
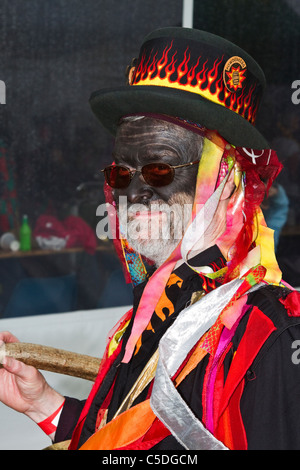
234,73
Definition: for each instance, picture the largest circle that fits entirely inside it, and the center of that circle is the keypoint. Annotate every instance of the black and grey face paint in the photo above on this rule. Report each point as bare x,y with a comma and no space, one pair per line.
156,217
146,140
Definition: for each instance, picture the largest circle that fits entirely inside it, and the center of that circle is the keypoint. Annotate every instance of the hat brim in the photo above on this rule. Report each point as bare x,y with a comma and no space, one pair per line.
110,105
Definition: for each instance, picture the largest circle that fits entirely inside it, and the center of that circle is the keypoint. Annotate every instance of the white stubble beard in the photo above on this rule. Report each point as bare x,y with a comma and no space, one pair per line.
157,236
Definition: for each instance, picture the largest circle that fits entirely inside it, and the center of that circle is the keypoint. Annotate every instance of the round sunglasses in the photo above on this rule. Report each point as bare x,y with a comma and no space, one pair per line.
154,174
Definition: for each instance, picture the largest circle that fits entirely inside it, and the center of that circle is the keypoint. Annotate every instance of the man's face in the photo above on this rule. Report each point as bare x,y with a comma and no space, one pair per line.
155,217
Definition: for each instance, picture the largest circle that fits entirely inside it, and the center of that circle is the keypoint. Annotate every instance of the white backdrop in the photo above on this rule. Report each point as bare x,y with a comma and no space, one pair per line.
82,332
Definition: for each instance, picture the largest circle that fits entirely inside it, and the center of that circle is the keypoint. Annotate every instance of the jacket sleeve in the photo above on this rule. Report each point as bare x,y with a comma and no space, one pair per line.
270,404
68,419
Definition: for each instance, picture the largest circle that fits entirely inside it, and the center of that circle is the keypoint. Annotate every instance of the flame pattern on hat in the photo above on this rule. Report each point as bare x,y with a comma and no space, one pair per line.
169,64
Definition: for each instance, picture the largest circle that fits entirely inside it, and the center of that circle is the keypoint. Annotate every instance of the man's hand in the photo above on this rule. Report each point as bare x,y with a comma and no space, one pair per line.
24,388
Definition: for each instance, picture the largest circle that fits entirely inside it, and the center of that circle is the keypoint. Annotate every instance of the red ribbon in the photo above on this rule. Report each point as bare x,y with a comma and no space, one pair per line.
292,304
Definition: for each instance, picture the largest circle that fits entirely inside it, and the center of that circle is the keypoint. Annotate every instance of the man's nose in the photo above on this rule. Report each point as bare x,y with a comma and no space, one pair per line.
138,192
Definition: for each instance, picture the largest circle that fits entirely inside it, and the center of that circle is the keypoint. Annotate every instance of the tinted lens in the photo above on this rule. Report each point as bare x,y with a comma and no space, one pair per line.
158,174
117,176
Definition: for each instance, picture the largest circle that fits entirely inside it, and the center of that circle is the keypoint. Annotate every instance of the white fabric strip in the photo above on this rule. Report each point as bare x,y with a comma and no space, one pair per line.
174,346
196,230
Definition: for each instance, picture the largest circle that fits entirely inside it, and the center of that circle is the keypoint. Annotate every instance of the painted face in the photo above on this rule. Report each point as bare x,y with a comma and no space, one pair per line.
155,217
149,140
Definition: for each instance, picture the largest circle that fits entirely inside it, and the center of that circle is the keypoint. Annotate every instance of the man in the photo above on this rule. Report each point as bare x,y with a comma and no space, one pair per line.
206,357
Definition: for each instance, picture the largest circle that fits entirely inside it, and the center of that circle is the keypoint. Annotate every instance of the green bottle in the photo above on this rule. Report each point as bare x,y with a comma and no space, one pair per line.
25,235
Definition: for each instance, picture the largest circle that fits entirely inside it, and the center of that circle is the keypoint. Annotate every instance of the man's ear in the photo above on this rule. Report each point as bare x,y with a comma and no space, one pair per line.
229,187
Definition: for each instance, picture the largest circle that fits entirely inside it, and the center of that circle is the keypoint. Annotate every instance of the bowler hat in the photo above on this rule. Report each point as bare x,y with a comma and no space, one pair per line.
193,75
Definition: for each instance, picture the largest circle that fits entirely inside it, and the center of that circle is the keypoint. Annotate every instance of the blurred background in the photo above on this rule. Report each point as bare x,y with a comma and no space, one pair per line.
54,53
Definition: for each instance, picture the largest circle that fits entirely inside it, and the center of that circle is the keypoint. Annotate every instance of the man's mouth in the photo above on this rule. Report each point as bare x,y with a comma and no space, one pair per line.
157,220
146,214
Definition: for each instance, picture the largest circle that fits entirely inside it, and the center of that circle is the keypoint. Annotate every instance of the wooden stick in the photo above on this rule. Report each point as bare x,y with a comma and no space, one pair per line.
53,360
